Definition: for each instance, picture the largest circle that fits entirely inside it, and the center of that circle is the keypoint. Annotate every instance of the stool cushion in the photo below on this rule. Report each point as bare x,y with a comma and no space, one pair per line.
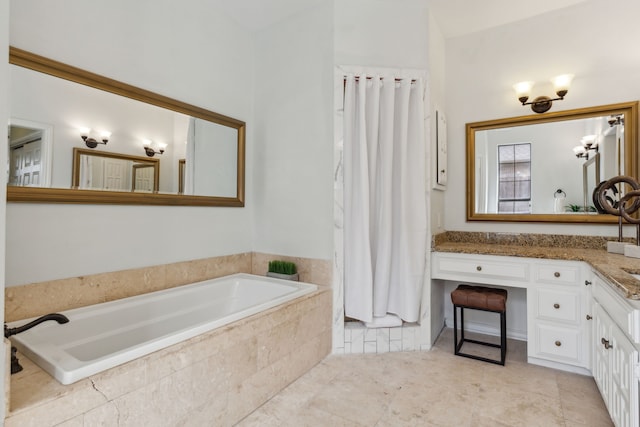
480,297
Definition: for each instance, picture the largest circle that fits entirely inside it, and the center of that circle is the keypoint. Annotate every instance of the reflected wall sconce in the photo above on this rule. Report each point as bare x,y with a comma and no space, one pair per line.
85,134
149,150
542,104
588,144
617,119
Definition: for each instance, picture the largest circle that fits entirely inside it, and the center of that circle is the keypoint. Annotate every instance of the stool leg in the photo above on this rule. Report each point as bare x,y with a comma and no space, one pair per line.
503,336
455,329
461,324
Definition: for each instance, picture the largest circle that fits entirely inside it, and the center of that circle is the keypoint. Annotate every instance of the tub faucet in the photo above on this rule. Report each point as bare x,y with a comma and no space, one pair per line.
15,365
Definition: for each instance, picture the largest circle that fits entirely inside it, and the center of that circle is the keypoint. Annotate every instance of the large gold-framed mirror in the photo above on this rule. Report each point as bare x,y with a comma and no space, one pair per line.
539,168
57,99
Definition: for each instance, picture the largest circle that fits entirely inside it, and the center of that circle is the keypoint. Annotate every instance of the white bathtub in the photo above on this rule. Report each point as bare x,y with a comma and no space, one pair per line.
101,336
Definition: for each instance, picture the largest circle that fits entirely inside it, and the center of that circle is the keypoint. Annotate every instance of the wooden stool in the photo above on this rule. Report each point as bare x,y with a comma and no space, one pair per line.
485,299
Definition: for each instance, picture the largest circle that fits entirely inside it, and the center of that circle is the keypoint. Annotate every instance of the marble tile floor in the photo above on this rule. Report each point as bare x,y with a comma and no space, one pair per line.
434,388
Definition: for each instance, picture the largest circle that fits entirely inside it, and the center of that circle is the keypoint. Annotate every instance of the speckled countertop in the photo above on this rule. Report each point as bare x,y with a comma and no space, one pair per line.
591,249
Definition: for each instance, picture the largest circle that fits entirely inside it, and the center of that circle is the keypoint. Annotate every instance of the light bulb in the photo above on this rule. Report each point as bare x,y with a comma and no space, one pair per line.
523,90
561,83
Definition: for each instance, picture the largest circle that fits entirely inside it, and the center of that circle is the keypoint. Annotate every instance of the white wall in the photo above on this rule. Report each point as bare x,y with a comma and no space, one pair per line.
4,118
293,126
593,40
187,50
437,78
381,33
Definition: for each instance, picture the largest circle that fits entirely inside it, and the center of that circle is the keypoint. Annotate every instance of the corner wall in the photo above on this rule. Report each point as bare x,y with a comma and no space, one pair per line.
4,118
293,122
590,39
190,51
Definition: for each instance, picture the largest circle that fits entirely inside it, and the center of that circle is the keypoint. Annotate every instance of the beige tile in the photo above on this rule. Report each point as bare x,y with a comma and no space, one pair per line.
513,407
355,396
65,406
106,415
122,379
76,422
310,270
433,388
431,405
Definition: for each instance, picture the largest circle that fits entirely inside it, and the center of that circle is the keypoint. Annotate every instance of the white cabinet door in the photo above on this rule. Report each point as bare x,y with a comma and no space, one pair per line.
623,384
615,361
601,372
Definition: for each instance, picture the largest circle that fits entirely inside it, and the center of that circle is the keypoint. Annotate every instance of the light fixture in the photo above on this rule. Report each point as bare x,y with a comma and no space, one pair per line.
616,119
588,144
542,104
148,147
85,134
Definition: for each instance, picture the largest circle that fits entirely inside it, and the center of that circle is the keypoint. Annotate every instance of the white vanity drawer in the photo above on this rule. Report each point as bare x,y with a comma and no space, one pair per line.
480,269
556,343
558,305
557,274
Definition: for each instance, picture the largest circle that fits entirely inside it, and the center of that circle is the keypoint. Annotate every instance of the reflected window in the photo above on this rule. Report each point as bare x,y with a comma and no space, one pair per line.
514,175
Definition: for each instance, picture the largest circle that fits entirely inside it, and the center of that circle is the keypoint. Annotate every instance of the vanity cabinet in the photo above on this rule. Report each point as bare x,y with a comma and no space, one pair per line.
615,355
558,310
559,322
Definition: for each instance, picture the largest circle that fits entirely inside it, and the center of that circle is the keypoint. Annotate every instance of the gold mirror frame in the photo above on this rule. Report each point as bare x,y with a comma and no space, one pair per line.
630,111
41,64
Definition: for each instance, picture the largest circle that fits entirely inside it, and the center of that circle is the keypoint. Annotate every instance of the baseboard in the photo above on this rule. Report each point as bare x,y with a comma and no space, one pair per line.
559,366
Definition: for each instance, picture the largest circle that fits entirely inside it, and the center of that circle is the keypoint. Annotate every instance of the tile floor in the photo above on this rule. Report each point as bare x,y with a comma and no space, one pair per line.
434,388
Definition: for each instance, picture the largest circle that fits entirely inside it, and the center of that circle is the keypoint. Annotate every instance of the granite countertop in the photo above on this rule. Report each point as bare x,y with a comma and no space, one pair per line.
617,269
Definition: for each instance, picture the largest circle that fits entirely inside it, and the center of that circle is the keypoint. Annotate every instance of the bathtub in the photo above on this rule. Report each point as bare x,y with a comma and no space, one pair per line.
101,336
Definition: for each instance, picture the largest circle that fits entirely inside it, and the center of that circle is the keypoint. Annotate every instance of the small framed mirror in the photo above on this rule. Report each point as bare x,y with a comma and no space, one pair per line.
516,167
97,170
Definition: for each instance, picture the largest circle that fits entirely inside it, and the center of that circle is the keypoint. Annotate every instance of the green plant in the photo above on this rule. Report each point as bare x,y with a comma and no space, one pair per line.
282,267
578,208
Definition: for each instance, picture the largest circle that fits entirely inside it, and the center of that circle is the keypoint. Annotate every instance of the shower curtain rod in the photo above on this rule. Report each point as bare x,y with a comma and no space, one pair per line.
369,78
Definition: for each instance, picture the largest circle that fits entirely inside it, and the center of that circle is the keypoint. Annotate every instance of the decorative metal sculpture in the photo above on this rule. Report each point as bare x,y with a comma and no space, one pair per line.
625,207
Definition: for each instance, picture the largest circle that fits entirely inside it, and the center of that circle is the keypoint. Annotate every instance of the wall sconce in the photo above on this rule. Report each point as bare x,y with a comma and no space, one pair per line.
588,143
617,119
542,104
85,134
149,150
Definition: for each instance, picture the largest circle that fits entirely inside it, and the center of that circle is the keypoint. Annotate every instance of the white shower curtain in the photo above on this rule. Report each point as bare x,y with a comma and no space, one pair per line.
385,219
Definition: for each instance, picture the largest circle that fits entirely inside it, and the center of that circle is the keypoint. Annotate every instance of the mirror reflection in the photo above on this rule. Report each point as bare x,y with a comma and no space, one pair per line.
544,168
139,138
94,170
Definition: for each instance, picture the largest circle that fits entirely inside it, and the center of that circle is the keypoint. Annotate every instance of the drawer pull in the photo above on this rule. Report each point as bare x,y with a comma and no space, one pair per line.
606,344
558,343
589,317
587,282
479,268
556,305
557,274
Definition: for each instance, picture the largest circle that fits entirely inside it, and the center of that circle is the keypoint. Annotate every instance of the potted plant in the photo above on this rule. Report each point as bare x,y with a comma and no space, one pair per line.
283,270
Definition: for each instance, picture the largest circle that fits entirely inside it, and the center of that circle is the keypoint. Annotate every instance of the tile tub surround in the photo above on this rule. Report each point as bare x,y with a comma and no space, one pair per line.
31,300
590,249
216,378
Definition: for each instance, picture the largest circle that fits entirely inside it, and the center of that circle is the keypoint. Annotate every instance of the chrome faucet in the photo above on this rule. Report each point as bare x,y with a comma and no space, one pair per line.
15,365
